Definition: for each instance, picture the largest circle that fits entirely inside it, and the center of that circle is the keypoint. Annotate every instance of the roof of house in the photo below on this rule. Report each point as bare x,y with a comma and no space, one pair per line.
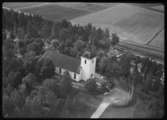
63,61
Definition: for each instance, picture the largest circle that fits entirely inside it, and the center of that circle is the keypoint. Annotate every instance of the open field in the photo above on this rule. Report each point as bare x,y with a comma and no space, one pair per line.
58,10
155,42
156,7
18,5
159,7
55,12
132,23
90,7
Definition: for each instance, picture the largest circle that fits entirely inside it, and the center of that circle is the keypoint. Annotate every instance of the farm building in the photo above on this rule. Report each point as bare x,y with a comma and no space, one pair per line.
79,69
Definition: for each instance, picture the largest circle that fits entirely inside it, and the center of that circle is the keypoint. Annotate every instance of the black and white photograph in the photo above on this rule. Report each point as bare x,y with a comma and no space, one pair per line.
83,60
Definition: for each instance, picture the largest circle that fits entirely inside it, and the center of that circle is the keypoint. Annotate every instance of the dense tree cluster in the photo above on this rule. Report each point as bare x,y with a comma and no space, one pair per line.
72,38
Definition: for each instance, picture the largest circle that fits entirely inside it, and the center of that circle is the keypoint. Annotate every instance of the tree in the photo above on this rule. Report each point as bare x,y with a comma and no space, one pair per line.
23,89
125,64
156,108
115,39
55,43
46,30
20,33
14,79
8,90
63,35
79,44
46,68
36,46
8,50
101,64
30,61
148,81
33,107
107,33
30,81
136,77
32,29
112,69
91,86
65,85
65,23
155,83
39,100
17,98
8,106
73,52
52,85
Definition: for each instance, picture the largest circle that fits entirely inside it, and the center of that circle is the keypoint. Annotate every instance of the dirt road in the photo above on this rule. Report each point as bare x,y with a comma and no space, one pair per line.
116,96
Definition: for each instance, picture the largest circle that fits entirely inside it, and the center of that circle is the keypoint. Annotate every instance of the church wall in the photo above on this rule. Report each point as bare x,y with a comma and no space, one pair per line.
71,73
72,76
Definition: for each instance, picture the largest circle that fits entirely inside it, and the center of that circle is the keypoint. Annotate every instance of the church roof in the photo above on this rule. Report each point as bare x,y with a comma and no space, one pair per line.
63,61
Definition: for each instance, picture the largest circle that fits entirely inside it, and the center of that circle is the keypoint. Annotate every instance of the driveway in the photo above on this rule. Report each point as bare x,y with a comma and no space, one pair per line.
116,96
100,109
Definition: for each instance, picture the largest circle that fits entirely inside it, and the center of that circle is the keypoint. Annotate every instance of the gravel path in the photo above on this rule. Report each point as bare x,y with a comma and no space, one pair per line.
102,107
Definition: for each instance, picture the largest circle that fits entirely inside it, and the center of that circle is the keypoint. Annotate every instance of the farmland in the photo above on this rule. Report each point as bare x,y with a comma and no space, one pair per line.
156,43
90,7
18,5
132,23
160,7
156,7
57,11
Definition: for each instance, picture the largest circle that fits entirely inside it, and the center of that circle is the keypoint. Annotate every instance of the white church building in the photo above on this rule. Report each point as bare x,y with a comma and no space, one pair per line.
79,69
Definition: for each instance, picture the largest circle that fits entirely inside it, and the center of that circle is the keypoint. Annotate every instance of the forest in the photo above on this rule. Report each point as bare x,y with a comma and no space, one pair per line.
32,89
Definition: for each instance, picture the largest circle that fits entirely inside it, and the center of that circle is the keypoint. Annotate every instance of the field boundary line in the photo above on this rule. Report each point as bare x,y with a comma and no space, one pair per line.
149,41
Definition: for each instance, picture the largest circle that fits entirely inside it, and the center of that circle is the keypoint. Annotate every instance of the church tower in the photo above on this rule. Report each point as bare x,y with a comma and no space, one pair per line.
88,66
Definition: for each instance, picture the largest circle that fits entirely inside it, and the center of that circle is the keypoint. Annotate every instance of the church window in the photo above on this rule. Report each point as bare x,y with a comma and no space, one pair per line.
74,76
59,70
